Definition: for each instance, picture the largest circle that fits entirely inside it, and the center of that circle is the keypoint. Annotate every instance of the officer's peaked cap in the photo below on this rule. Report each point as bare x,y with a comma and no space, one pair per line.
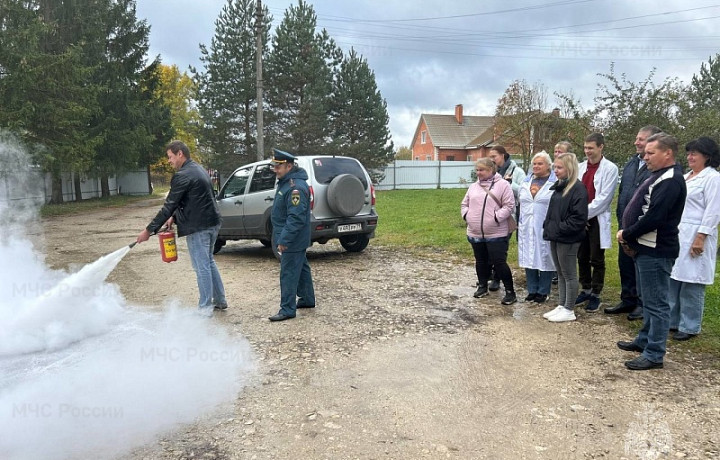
282,157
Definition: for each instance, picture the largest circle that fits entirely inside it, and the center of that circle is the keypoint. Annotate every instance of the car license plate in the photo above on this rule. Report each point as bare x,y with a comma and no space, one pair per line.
349,228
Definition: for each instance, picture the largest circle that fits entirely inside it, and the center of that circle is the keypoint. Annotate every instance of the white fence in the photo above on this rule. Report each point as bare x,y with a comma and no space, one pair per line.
409,174
32,185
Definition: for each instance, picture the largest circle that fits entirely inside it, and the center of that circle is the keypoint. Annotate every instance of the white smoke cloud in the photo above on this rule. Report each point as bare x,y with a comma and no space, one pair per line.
82,373
21,188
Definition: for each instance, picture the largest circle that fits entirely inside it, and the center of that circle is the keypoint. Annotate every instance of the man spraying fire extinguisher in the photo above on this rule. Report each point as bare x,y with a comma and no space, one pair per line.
191,204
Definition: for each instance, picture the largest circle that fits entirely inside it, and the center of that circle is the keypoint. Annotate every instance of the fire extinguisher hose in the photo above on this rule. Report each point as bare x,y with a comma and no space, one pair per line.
160,230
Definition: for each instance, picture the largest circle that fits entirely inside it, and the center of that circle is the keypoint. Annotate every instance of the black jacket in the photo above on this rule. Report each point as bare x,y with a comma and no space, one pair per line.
651,223
190,200
567,215
629,182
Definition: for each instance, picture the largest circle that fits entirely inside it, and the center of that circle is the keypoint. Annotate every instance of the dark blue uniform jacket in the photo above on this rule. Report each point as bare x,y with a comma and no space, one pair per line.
291,211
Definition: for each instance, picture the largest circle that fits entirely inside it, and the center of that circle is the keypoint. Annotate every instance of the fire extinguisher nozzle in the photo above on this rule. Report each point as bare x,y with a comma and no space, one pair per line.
132,244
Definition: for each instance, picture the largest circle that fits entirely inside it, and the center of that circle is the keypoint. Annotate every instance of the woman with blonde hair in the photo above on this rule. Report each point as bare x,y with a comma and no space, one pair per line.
486,207
564,227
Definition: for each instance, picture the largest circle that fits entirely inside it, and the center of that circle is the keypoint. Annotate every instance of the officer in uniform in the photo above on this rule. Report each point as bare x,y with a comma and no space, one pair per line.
291,233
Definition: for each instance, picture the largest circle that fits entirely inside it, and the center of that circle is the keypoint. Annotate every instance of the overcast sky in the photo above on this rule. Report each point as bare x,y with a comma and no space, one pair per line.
429,55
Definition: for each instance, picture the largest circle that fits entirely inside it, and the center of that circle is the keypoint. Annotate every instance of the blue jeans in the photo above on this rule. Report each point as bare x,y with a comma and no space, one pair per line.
538,281
653,282
295,281
687,301
200,245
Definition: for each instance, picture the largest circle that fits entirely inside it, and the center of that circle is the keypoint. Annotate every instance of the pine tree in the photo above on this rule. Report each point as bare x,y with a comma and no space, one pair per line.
359,116
300,81
227,96
120,62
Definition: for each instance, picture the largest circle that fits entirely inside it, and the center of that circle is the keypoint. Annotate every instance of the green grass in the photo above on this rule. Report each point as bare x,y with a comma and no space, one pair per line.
429,222
76,207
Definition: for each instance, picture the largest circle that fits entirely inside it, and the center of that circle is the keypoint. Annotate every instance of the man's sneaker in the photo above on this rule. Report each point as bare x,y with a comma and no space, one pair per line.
553,311
593,305
562,316
480,292
206,312
494,285
583,297
222,306
531,297
540,298
509,299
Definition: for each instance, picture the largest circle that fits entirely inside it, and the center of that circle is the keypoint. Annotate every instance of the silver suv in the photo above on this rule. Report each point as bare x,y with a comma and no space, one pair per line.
342,201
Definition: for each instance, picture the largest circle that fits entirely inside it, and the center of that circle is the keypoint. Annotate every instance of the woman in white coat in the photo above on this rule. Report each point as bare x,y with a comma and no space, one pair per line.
695,266
533,251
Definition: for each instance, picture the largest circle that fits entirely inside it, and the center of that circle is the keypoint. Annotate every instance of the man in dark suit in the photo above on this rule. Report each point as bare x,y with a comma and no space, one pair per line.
634,173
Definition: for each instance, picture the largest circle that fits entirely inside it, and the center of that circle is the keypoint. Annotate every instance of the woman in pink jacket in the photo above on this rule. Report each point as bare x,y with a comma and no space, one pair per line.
487,206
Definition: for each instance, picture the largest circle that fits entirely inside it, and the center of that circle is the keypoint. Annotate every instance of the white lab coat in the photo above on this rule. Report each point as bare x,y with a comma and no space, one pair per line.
605,181
701,215
533,250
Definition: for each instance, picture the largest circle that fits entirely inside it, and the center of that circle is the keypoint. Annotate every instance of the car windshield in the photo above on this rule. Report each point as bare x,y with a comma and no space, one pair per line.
326,169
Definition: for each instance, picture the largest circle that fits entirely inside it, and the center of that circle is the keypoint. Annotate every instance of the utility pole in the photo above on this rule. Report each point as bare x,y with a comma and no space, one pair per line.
259,82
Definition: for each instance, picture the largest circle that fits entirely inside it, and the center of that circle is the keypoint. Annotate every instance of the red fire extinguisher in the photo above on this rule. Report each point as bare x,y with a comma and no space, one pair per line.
168,250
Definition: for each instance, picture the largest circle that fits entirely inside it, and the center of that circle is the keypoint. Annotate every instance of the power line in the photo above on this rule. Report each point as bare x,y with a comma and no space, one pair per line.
488,13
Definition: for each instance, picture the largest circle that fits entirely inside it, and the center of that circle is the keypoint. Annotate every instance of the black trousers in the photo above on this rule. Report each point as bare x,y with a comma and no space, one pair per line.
493,254
591,259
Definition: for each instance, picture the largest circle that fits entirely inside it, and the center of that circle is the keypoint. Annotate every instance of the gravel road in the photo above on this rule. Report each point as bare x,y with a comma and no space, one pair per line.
399,361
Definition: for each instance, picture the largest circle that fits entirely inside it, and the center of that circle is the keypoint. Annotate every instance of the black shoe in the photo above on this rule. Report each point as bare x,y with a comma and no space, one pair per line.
531,297
635,314
629,346
280,317
494,285
540,298
642,364
682,336
593,304
618,309
509,299
582,297
481,292
555,280
221,307
306,306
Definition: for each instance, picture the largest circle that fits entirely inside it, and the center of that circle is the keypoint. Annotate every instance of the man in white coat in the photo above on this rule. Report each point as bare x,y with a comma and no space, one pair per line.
600,177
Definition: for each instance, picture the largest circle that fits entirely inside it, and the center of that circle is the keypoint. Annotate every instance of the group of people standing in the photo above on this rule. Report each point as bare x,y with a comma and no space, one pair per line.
667,232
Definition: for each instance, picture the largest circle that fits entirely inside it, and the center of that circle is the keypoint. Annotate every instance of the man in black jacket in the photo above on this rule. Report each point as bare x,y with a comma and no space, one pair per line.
191,204
634,173
650,235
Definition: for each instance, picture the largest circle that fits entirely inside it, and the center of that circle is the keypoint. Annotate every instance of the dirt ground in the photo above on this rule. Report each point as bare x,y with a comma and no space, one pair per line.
399,361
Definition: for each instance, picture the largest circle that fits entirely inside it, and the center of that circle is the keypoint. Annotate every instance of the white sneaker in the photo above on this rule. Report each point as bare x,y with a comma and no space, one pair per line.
562,316
553,311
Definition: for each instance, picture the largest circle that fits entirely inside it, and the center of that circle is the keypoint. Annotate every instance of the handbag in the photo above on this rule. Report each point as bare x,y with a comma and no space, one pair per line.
512,223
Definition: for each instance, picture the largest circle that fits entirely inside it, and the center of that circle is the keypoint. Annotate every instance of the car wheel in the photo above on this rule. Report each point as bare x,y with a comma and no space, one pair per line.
355,243
219,243
266,243
346,195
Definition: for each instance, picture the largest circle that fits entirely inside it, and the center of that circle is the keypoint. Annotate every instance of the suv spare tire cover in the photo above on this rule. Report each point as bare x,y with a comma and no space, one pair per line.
346,195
